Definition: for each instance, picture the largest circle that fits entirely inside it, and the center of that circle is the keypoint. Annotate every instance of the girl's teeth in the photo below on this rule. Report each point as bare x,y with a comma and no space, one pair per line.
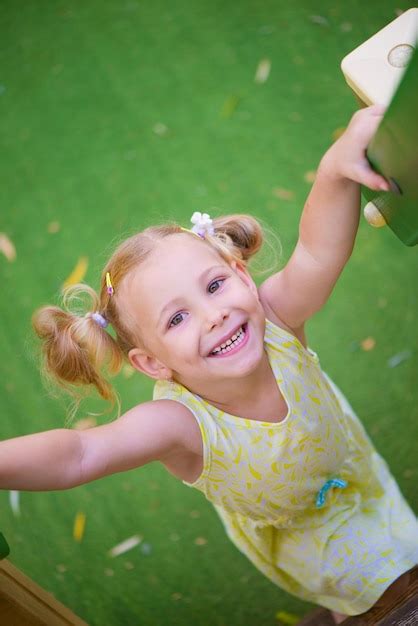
226,347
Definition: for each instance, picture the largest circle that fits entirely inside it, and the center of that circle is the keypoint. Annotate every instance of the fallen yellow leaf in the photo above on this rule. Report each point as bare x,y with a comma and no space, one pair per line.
78,272
287,618
79,526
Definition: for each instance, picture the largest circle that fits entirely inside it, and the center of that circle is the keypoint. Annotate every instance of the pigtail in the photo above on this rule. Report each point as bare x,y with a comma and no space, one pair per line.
75,347
240,237
243,231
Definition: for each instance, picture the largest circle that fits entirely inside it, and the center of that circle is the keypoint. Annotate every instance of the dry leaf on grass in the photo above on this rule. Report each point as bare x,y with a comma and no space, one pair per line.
338,132
319,19
368,344
160,129
263,71
79,526
7,247
78,272
229,106
53,227
14,501
200,541
176,596
309,176
283,194
126,545
288,619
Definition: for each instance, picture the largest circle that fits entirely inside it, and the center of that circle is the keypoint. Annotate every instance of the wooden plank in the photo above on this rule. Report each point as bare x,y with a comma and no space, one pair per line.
13,615
19,595
318,617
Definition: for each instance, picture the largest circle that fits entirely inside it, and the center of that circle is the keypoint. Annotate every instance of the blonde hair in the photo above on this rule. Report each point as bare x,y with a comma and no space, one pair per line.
77,350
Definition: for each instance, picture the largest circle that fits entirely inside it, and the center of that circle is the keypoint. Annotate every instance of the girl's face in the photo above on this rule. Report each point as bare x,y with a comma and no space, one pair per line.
200,317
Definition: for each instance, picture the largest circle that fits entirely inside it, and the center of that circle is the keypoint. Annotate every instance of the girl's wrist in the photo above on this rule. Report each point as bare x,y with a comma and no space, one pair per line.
331,167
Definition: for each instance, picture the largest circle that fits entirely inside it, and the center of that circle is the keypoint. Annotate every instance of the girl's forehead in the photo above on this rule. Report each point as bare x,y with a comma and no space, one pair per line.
178,259
183,252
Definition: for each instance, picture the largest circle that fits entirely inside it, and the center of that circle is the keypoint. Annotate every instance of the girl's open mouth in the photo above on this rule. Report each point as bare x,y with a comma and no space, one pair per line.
233,344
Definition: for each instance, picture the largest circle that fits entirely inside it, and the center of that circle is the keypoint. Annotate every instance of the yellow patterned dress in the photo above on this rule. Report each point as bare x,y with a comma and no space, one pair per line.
308,500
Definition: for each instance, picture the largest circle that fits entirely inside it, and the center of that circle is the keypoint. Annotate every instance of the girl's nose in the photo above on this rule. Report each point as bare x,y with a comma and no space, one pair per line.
216,317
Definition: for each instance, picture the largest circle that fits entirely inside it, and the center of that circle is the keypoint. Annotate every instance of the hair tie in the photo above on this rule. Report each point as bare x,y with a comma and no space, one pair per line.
99,319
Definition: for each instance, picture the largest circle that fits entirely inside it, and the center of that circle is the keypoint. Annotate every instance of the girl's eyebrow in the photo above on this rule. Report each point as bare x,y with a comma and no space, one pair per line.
174,301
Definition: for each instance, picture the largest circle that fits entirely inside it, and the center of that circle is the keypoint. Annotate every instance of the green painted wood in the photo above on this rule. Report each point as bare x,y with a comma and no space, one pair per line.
393,152
4,547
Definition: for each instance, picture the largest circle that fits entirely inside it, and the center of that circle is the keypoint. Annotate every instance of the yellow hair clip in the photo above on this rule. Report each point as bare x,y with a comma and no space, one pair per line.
109,285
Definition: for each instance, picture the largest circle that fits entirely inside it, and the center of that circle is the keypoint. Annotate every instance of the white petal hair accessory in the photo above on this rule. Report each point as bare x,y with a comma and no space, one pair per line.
202,224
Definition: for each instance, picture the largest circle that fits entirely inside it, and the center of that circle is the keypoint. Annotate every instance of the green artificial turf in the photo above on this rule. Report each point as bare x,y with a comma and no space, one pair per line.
115,115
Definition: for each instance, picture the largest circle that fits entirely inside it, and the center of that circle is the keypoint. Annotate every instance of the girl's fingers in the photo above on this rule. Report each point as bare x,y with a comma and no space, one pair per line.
365,175
377,109
376,182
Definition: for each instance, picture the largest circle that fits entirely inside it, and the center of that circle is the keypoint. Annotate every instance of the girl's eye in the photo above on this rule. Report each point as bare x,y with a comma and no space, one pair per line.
214,285
176,320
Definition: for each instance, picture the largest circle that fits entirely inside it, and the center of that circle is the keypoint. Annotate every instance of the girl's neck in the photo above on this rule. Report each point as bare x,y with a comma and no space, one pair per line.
242,396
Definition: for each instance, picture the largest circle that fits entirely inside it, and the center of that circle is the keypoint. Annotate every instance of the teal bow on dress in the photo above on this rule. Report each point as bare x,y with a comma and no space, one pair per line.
333,482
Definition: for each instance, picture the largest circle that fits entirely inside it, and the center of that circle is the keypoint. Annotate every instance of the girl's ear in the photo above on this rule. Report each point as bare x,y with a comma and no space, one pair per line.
243,273
149,365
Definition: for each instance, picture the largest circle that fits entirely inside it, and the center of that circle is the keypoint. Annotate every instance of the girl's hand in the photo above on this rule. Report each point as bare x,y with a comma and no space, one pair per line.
347,156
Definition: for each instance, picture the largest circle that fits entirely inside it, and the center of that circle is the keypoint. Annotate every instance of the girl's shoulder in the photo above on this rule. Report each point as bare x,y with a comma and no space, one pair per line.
299,333
184,422
186,462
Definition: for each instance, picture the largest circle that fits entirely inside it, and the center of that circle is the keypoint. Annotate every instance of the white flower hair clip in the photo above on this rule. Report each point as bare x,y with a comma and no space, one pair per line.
202,224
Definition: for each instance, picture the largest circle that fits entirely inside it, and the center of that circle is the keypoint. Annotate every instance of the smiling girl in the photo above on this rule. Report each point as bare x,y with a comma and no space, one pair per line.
242,410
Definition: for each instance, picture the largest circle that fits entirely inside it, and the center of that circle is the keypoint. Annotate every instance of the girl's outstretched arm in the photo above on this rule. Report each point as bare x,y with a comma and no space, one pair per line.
328,225
63,458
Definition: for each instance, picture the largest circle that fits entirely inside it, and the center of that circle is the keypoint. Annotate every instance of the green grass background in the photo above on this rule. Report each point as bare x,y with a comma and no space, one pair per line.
82,87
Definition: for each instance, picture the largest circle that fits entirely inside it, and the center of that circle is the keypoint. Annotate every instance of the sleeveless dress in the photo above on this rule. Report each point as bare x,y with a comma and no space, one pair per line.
308,500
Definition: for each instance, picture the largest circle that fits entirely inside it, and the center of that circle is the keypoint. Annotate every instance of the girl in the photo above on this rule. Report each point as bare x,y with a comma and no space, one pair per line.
242,410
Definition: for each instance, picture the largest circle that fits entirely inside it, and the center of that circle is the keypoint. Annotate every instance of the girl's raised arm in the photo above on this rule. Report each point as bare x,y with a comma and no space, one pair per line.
63,458
328,225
